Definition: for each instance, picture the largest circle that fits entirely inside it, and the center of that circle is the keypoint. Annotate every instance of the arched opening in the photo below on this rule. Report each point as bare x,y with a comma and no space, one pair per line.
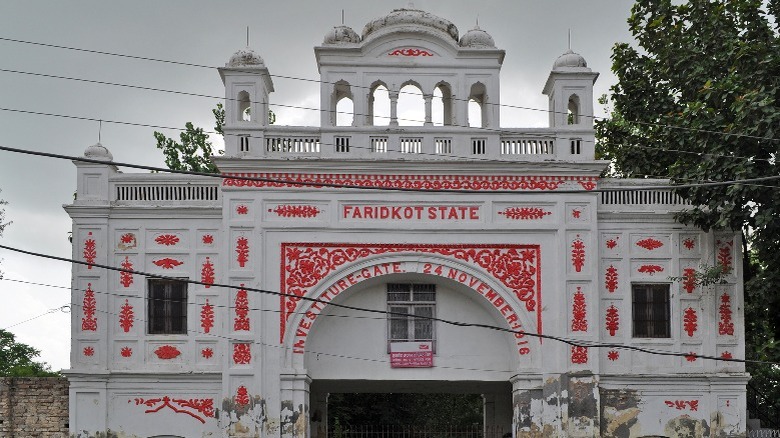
477,107
244,107
442,105
379,105
411,105
343,110
573,110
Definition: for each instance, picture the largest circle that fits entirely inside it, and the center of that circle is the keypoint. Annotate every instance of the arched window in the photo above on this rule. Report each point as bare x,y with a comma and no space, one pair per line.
573,113
442,105
411,105
477,107
379,105
343,107
244,107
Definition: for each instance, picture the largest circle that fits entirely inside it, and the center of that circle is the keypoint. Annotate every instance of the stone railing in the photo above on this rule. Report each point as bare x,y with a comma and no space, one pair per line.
622,195
164,189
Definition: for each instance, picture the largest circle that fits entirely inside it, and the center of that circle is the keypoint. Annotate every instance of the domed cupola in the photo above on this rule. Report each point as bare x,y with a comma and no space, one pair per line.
245,58
341,35
477,38
570,60
98,152
411,19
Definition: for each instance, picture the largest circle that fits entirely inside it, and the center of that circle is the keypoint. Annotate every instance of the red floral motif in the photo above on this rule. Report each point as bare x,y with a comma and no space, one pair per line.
89,351
242,396
726,355
241,321
575,213
650,269
126,316
588,185
419,182
127,238
196,408
90,253
682,405
304,211
611,279
167,352
689,243
89,306
207,353
613,355
126,278
167,263
242,249
126,352
578,254
242,209
725,325
207,273
579,354
167,239
611,243
689,279
410,52
690,320
524,213
304,265
207,316
650,243
613,320
207,239
242,353
724,254
579,323
691,356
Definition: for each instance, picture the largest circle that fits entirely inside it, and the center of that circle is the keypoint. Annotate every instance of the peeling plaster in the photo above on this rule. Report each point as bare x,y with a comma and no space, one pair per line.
243,420
686,427
619,414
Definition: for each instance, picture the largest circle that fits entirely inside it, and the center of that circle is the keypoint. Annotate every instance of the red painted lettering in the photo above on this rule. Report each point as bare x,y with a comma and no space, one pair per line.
472,282
498,302
396,212
311,315
305,325
427,268
491,295
431,212
481,288
368,212
474,213
342,284
351,280
452,273
511,318
397,267
506,309
300,333
462,277
300,343
347,209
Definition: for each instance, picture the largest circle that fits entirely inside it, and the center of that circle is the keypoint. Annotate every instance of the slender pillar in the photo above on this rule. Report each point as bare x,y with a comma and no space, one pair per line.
393,108
428,109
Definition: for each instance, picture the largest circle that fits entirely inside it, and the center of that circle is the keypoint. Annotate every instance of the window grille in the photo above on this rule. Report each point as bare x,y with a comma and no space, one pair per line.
167,307
651,310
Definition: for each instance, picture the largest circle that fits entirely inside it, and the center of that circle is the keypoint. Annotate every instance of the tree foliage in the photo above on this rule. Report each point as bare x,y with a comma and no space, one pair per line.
193,153
699,100
16,359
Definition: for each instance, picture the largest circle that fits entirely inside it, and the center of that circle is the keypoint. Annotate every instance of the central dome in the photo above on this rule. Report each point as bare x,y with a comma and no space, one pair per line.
411,17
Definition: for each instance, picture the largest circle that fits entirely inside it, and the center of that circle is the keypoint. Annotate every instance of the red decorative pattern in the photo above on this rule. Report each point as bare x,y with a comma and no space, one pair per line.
304,211
579,323
611,243
725,325
89,351
727,355
242,209
689,243
611,279
242,353
126,278
612,320
207,273
304,265
167,352
126,316
410,52
524,213
650,243
242,311
613,355
724,254
127,238
167,263
419,182
682,405
197,408
578,254
207,353
242,396
650,269
576,213
90,252
89,307
126,352
167,239
207,239
690,321
579,355
689,279
207,316
691,356
588,184
242,250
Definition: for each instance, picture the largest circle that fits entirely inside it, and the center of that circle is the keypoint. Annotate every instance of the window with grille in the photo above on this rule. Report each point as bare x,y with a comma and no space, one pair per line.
651,310
167,307
411,306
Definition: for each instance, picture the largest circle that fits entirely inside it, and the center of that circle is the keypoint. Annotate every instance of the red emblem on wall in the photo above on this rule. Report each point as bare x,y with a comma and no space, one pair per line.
524,213
588,184
89,351
242,251
612,320
650,269
167,352
241,321
207,316
89,307
207,239
302,211
167,263
207,273
167,239
689,279
126,316
611,243
242,396
613,355
650,244
579,323
578,254
126,278
242,353
682,405
127,238
410,52
724,254
611,279
197,408
726,355
207,353
126,352
242,209
690,319
691,356
90,252
576,213
689,243
579,354
725,324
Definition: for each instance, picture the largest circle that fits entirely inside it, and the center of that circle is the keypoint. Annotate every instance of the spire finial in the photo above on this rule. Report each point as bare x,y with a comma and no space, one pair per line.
342,17
569,39
247,36
100,129
477,21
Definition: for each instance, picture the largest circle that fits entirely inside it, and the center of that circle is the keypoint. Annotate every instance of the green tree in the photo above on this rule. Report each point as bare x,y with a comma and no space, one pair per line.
16,359
699,100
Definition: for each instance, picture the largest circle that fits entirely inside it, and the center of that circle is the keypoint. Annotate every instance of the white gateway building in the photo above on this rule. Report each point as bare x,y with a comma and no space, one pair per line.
269,272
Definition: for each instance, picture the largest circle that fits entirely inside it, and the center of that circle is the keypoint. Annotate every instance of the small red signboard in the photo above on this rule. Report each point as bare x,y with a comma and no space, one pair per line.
411,355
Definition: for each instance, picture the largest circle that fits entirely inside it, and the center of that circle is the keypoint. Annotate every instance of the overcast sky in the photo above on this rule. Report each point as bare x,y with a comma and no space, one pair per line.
533,33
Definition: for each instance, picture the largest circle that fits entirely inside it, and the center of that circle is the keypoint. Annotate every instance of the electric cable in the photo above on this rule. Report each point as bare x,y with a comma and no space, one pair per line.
48,312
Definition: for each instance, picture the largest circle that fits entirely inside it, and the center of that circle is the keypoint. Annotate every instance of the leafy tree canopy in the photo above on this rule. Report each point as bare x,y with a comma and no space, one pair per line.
16,359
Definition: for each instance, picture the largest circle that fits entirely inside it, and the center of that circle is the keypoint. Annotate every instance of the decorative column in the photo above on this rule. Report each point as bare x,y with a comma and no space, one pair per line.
393,107
294,413
428,110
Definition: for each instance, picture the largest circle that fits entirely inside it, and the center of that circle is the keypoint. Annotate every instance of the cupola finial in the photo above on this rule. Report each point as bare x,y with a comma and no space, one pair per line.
247,36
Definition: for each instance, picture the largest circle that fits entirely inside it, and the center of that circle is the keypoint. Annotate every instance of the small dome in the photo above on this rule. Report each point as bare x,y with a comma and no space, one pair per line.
477,38
411,17
341,35
245,58
98,152
569,60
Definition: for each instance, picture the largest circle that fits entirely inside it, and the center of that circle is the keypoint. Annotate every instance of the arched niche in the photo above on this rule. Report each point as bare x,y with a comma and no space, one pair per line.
442,105
244,102
573,110
411,104
378,105
342,104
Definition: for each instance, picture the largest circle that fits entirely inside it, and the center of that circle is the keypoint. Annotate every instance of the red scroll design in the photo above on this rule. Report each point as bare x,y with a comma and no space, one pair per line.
579,322
207,273
650,269
302,211
410,52
650,244
207,239
241,321
613,355
89,307
167,263
690,321
126,278
689,279
724,254
242,353
197,408
167,352
725,324
126,352
167,239
304,265
207,353
579,354
126,316
524,213
90,252
242,396
578,254
612,320
89,351
207,316
611,279
682,405
242,251
689,243
242,209
611,243
588,184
